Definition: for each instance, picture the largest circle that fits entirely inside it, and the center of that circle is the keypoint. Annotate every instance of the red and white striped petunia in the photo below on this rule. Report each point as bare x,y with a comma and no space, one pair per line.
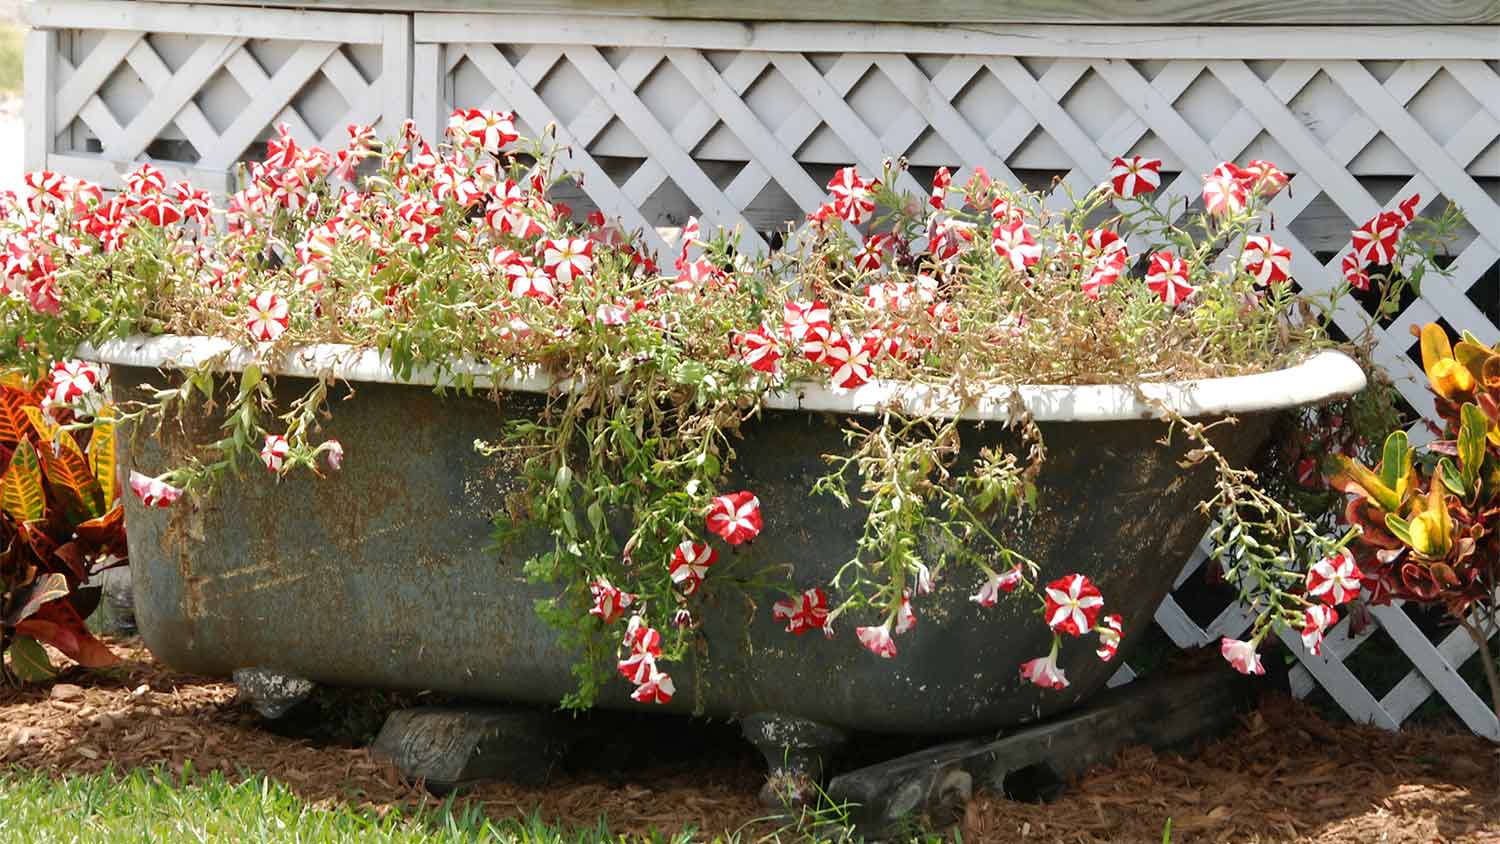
853,199
153,492
1269,262
568,259
1135,176
808,611
870,256
1073,603
491,130
145,179
1407,208
690,563
613,313
1168,278
158,209
643,644
1223,192
948,237
877,640
906,618
799,317
1111,629
1014,245
46,188
1043,671
759,350
941,180
1105,271
333,452
989,592
1241,655
1354,272
735,517
658,688
1104,242
850,366
609,602
72,379
526,279
1334,580
1315,622
196,204
269,317
273,453
1375,241
1264,178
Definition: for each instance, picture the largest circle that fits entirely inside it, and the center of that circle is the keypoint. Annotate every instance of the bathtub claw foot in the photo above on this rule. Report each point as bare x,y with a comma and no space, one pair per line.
446,748
797,753
272,693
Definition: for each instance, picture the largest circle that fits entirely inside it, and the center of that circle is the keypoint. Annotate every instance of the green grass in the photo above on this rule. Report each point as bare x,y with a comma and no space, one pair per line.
156,806
153,807
10,59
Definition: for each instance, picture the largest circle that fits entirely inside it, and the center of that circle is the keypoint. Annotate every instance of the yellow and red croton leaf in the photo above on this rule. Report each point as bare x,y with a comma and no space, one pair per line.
67,467
21,494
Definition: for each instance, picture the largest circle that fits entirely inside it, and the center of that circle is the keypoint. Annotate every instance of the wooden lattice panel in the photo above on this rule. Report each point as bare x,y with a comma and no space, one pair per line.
193,88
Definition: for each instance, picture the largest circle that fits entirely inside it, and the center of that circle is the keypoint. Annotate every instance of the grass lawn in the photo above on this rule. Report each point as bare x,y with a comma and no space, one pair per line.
10,59
156,807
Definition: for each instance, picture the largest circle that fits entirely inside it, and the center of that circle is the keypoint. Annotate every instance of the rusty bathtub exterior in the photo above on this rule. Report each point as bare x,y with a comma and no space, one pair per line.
383,574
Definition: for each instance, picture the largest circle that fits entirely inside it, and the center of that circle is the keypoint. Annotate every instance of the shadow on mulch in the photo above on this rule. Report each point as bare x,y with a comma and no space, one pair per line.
1285,775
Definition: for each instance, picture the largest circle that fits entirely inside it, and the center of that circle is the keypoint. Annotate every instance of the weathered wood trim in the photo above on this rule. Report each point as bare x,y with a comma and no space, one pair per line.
1148,12
1095,42
40,66
228,21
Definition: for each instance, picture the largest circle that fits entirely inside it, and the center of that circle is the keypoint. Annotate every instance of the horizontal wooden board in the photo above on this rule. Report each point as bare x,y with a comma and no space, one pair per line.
1331,12
1023,40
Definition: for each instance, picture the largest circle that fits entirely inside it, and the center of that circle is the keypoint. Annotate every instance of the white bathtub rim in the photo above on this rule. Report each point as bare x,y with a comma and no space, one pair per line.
1323,376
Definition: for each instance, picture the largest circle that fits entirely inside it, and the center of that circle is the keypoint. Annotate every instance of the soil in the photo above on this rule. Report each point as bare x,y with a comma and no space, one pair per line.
1285,775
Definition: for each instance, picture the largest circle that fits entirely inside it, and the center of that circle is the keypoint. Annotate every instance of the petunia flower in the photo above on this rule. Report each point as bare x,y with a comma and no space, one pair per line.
877,640
269,317
1168,278
808,611
609,602
1072,604
735,517
1043,671
1111,629
690,563
1316,621
1135,176
1241,655
1269,262
1015,246
153,492
1334,580
274,452
658,688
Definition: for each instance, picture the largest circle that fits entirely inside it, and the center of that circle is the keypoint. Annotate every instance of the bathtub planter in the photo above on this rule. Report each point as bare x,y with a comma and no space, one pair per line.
382,576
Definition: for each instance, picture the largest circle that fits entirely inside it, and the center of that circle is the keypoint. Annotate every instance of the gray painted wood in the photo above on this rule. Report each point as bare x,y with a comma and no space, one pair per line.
1341,12
1161,712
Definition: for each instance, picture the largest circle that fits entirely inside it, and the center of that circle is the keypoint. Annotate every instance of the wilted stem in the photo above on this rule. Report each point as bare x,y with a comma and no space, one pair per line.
1482,642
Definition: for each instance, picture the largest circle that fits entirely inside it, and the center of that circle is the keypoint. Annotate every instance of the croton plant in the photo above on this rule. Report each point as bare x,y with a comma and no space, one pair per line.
459,252
1430,521
61,519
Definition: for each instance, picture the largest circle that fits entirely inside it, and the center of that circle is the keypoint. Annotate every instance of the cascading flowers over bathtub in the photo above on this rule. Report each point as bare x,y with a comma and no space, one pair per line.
450,255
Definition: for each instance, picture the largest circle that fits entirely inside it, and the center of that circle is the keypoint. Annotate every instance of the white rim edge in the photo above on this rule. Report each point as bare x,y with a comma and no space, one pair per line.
1322,377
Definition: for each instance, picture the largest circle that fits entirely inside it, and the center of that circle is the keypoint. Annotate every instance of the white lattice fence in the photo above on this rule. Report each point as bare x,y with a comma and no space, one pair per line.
192,88
740,125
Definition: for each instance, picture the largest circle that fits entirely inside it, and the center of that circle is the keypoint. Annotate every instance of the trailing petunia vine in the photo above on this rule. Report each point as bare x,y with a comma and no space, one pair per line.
456,259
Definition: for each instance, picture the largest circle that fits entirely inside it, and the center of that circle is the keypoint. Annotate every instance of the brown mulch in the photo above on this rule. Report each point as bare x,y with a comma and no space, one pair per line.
1285,775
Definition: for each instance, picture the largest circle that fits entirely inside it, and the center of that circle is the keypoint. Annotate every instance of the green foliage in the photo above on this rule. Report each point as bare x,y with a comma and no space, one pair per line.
12,49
